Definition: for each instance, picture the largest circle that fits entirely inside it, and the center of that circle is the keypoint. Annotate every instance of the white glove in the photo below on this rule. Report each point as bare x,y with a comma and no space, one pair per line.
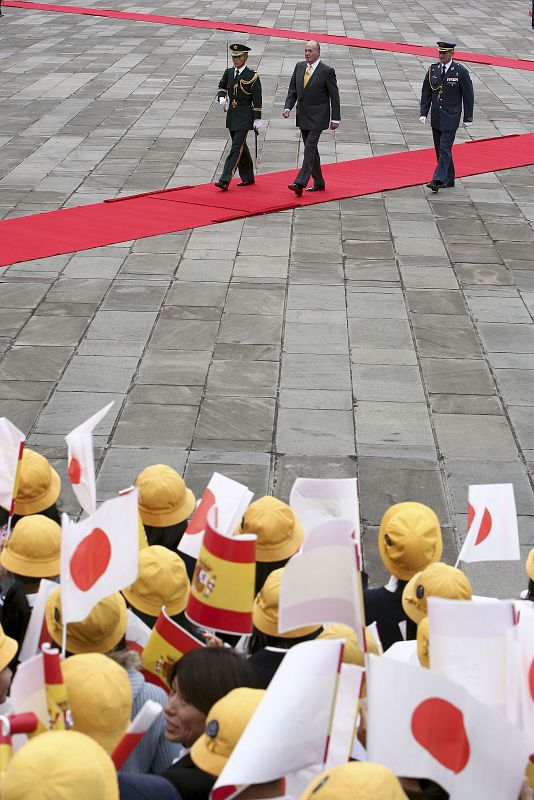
422,120
467,124
256,124
222,100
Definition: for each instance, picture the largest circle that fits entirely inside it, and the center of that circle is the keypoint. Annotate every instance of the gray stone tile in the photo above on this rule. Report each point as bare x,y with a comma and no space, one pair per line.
151,425
134,295
315,338
174,368
53,330
303,371
379,355
290,467
472,437
465,404
250,329
166,395
504,337
435,301
172,333
21,413
317,399
380,333
391,423
315,432
236,420
122,325
228,378
386,481
387,383
98,374
255,476
200,293
34,363
21,295
376,305
67,410
249,300
457,376
445,336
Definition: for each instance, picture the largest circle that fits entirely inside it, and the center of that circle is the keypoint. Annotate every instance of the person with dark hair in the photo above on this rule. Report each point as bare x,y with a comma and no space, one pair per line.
32,552
165,503
279,535
198,681
267,646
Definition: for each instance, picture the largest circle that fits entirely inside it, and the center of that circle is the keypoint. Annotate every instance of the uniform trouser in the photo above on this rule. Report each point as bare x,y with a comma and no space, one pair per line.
443,141
238,158
311,165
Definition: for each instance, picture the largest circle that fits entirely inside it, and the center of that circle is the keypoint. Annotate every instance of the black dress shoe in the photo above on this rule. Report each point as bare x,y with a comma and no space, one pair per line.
246,183
317,188
447,185
434,185
296,187
221,185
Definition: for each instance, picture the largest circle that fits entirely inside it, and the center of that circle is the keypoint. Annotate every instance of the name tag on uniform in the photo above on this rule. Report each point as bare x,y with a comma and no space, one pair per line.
451,80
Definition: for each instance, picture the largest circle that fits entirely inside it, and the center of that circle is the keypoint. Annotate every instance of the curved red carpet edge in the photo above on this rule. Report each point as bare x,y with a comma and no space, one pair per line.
257,30
84,227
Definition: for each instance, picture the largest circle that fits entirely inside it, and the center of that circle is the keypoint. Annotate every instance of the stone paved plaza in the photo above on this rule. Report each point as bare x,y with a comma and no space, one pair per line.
389,336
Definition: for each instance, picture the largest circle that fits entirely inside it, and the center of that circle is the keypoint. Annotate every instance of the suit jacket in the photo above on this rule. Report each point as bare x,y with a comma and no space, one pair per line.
190,781
445,98
244,98
384,608
318,103
146,787
266,662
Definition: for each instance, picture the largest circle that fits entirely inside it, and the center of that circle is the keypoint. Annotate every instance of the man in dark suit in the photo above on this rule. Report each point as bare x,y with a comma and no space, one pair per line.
313,87
446,87
240,95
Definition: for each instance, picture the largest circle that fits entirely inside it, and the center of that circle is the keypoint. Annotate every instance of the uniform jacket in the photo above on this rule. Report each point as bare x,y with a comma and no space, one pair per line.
190,781
244,98
318,103
446,99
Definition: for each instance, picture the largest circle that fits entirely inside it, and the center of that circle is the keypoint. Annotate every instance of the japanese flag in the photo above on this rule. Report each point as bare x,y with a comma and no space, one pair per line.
229,498
422,725
11,447
99,555
525,632
492,533
81,465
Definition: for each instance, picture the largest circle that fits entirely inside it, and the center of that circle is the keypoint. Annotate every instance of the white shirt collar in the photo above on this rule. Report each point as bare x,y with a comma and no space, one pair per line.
447,66
312,66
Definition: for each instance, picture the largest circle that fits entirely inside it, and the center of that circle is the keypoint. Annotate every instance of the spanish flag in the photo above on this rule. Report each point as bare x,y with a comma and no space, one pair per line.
14,723
56,693
168,642
222,588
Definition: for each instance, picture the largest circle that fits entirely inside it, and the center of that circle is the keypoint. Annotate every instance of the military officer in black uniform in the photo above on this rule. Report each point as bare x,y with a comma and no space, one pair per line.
240,95
446,87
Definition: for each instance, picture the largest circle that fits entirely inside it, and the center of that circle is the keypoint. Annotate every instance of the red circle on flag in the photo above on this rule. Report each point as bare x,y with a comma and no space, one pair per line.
90,559
199,518
74,470
438,726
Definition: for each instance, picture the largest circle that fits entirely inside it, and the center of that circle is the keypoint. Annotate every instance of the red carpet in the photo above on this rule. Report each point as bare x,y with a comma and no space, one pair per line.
344,41
81,228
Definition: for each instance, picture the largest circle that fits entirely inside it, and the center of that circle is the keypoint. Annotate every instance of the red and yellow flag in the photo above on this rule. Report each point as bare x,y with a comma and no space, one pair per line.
168,642
56,693
222,589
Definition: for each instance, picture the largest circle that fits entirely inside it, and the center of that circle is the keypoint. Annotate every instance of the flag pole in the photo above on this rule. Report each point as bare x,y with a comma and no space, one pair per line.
64,641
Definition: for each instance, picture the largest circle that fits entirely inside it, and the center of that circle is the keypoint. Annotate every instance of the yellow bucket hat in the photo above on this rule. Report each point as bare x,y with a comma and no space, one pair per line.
60,765
409,538
100,697
265,610
422,643
358,780
162,581
529,565
39,484
279,531
8,649
33,549
99,632
225,724
436,580
164,499
352,652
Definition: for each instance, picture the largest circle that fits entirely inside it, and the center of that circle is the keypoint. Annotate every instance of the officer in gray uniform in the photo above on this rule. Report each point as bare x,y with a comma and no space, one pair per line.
446,87
240,95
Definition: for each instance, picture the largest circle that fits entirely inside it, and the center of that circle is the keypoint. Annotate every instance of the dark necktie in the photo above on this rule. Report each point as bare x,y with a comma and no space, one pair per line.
236,75
443,71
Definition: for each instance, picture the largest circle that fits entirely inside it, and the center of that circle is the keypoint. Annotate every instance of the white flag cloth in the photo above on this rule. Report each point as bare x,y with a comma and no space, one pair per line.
321,583
525,633
492,533
343,731
27,692
467,644
11,447
81,464
229,498
99,555
291,726
424,726
36,632
316,500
